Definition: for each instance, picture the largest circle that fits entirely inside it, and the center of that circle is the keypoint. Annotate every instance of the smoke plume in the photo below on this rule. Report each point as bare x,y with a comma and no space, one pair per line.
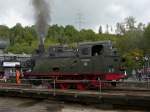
42,15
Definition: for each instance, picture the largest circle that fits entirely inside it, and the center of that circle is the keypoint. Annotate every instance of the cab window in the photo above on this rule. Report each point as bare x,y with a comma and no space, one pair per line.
97,50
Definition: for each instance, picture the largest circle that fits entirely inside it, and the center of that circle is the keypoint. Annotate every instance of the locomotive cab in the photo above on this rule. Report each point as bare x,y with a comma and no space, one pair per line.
101,57
89,49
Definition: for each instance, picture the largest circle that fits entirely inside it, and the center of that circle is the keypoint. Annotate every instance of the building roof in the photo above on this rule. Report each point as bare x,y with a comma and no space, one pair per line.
96,42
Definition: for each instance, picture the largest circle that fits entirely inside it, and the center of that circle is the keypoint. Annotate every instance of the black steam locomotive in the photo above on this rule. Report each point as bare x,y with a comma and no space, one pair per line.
89,62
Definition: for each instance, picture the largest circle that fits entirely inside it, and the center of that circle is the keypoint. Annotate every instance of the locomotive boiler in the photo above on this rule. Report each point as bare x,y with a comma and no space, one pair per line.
88,66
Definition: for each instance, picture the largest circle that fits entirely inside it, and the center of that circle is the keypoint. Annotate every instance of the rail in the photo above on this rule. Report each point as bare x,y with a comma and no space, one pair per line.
119,84
122,87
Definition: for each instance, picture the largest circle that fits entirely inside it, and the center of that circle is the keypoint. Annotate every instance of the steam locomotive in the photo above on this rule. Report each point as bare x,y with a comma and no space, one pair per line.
90,65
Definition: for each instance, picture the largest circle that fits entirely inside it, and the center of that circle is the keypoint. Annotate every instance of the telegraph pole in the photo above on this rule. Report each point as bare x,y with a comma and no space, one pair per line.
80,20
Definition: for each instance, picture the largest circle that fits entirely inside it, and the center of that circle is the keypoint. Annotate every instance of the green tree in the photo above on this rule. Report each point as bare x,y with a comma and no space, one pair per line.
147,39
100,31
130,23
4,31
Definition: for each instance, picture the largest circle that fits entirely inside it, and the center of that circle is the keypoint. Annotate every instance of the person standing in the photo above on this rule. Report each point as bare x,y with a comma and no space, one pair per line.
18,75
139,74
134,74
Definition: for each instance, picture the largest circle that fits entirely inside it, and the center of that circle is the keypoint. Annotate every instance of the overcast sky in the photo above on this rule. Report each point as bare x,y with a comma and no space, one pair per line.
92,13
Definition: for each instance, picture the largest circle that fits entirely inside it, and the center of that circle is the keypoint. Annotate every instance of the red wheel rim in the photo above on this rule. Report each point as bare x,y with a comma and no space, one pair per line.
64,86
81,87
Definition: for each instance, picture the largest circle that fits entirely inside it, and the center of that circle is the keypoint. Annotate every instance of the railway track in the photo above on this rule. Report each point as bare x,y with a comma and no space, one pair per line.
115,89
112,91
127,89
133,97
14,85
